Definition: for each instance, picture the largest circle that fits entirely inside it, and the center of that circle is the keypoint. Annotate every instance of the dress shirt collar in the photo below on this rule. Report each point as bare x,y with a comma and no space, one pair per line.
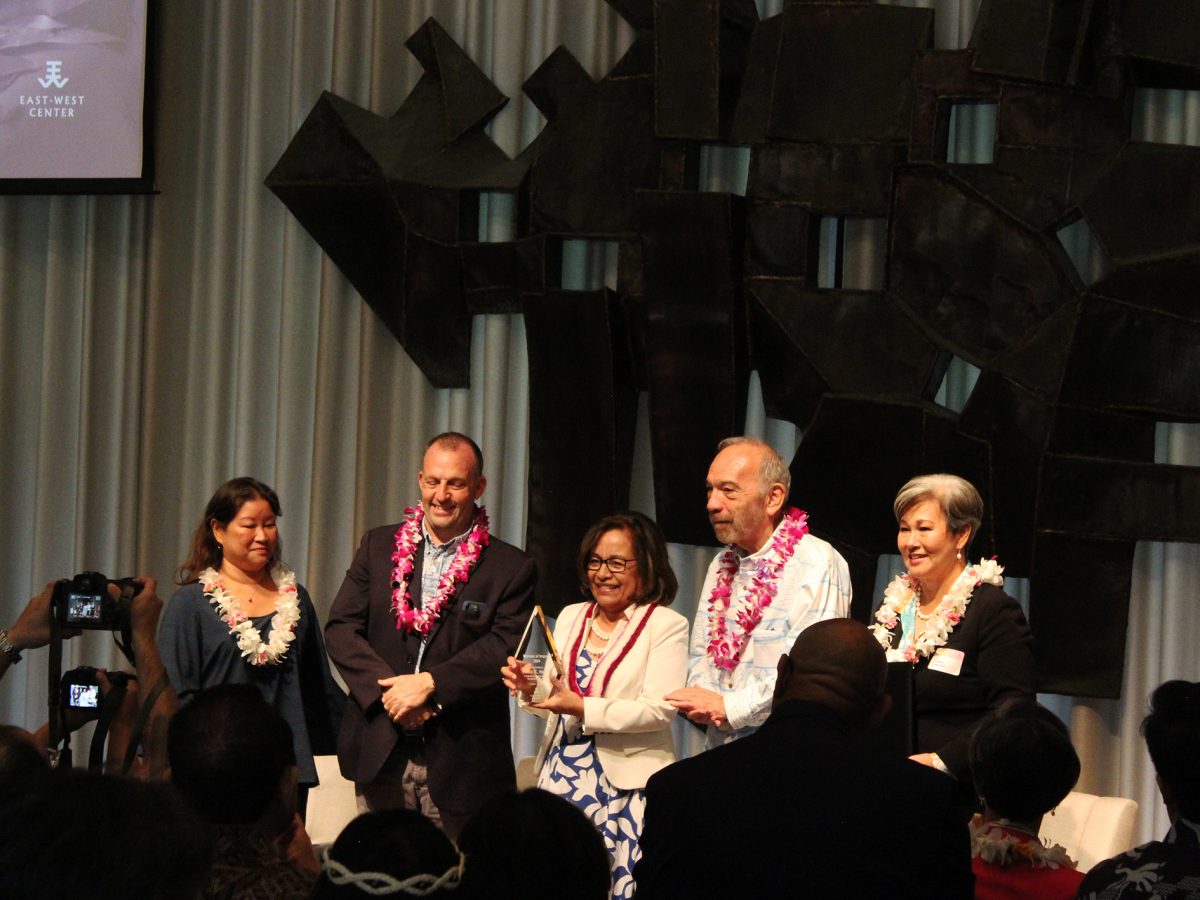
445,546
762,551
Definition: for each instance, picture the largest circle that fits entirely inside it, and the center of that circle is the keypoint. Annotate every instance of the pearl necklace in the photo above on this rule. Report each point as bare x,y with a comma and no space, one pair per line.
597,633
256,651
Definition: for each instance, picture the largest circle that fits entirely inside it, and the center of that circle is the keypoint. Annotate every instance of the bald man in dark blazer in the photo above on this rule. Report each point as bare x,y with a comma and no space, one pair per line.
808,806
426,725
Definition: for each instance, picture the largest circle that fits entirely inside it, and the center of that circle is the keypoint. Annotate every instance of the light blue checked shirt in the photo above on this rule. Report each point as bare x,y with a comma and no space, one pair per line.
434,562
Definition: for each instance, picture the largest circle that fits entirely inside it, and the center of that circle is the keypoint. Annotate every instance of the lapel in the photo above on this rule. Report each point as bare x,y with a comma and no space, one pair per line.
620,648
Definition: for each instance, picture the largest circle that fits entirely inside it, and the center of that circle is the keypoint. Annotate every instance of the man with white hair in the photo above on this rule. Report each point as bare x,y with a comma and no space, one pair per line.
772,581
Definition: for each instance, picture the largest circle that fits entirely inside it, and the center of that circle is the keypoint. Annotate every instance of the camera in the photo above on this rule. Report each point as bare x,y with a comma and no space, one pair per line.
84,602
80,688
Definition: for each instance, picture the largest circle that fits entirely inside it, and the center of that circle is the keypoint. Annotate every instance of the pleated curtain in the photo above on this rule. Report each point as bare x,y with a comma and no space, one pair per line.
152,347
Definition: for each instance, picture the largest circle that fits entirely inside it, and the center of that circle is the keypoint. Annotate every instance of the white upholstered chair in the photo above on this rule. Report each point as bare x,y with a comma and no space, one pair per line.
1091,828
331,804
526,776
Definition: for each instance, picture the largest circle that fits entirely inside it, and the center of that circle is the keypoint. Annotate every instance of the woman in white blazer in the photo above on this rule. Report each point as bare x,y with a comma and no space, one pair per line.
609,728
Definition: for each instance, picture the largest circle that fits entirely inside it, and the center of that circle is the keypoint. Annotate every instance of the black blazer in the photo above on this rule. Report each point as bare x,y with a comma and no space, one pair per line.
997,664
804,807
468,747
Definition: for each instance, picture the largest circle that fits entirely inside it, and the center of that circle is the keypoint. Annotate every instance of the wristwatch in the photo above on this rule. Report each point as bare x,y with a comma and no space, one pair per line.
13,654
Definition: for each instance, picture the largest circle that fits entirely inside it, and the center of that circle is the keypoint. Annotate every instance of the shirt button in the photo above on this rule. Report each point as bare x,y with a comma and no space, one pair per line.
410,660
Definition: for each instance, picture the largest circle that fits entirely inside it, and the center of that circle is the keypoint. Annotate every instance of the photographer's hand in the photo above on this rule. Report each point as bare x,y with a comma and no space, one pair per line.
143,618
32,628
120,728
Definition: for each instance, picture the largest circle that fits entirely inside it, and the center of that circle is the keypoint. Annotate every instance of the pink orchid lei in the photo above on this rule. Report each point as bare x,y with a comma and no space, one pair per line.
256,651
904,589
408,537
725,646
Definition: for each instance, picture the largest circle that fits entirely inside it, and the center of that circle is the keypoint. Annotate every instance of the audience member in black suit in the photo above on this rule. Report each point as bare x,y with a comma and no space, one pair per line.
808,806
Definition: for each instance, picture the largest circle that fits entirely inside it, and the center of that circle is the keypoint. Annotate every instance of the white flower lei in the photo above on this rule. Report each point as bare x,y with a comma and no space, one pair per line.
994,844
905,589
283,624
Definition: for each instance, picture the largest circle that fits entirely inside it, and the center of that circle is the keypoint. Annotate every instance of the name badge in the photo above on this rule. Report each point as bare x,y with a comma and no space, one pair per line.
947,660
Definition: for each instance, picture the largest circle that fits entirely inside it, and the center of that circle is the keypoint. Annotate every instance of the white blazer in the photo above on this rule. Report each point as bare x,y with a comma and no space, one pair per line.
631,721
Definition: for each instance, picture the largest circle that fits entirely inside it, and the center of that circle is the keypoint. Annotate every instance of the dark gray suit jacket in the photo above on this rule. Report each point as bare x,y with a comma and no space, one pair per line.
467,745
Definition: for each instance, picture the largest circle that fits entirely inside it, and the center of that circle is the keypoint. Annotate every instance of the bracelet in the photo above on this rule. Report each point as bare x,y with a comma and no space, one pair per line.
13,654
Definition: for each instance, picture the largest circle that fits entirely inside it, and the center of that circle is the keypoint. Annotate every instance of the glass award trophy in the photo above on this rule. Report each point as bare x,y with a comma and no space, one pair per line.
536,647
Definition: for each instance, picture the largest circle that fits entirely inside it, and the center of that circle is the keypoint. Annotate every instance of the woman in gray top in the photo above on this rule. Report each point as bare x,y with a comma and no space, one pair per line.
240,617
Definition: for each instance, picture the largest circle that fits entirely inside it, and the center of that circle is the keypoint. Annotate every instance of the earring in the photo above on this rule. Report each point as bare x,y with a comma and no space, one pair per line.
958,555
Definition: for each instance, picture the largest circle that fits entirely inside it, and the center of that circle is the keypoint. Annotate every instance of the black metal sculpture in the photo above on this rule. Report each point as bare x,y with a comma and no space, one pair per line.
846,109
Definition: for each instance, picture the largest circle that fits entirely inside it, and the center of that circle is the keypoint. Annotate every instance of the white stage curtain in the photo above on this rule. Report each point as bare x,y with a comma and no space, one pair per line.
154,346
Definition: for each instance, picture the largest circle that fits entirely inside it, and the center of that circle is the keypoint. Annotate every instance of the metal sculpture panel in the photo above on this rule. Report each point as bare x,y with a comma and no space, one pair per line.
847,112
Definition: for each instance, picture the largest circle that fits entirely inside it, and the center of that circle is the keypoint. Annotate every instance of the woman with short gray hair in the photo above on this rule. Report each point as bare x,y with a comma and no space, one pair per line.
967,640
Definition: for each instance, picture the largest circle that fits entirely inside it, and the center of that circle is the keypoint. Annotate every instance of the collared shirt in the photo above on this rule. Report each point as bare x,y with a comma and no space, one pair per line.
814,585
435,559
1166,868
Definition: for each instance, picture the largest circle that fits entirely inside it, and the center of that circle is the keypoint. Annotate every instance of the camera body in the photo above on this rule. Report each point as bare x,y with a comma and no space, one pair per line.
84,602
80,688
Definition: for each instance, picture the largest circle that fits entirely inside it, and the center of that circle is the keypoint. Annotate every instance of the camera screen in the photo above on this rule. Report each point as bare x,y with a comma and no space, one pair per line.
83,608
83,696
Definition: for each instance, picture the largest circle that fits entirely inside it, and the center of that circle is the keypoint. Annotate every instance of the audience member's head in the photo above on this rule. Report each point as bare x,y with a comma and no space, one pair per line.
1172,732
839,664
83,835
1023,762
565,844
21,762
232,758
391,853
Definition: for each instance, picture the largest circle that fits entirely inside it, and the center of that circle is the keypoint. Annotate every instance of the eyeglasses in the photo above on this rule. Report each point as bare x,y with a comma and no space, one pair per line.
615,564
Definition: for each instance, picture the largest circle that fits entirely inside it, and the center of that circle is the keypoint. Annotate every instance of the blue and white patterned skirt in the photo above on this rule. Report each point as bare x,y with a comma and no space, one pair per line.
572,770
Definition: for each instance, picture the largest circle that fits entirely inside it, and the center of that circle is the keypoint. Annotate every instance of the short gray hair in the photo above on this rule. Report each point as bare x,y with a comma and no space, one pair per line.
772,469
960,502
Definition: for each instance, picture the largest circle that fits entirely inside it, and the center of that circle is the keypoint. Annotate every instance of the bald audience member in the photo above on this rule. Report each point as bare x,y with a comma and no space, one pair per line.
808,805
